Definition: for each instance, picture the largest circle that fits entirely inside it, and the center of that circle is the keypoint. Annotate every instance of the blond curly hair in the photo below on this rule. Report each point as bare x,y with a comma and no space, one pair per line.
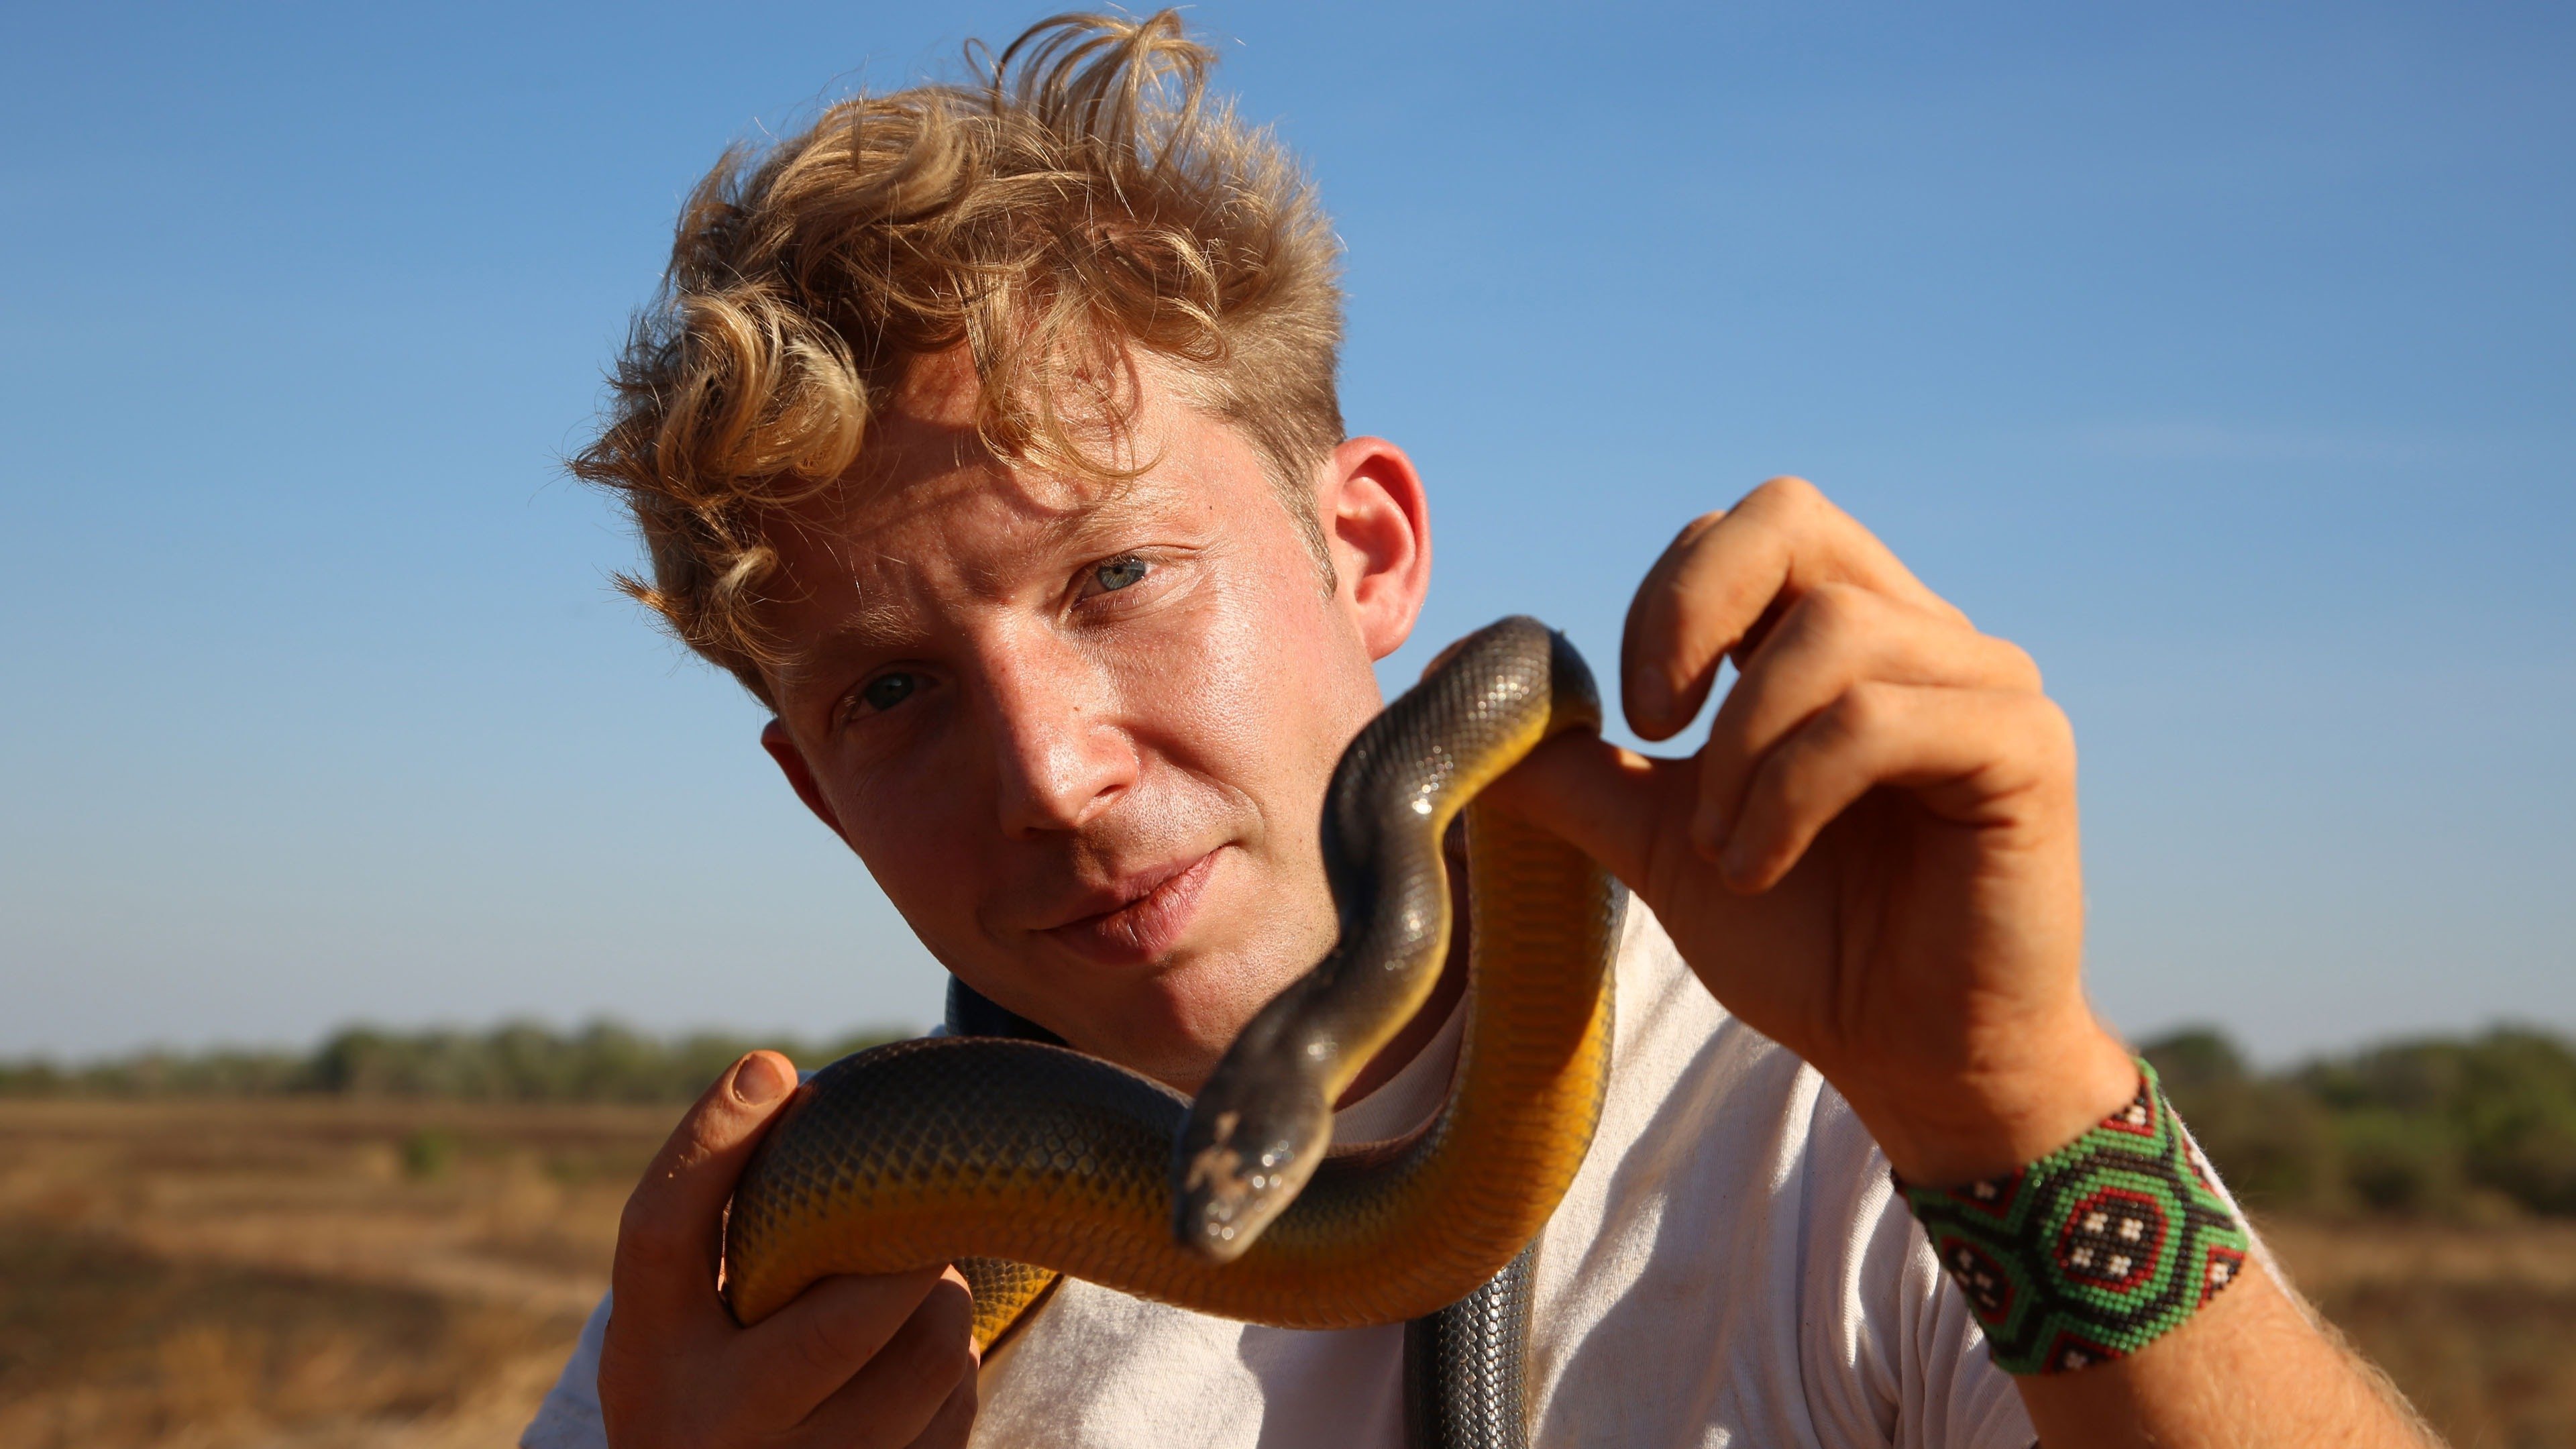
1085,201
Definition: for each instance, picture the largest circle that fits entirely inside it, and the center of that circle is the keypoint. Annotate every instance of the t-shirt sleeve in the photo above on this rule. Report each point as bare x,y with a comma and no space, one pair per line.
570,1418
1893,1354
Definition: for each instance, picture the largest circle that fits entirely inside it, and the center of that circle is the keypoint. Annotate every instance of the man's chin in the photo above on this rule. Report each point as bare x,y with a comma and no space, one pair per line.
1171,1018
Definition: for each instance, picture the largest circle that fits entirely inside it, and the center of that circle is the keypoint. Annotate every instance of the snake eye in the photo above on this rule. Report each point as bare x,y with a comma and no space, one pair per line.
1118,573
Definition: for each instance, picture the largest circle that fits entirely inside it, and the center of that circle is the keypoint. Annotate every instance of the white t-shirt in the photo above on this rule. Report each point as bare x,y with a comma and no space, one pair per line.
1730,1267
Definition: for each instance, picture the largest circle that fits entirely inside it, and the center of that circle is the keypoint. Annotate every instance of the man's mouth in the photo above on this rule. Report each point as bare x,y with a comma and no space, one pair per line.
1152,909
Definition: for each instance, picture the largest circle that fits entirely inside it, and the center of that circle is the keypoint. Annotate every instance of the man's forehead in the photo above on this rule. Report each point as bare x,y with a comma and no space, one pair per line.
928,474
978,525
942,389
934,417
932,511
868,569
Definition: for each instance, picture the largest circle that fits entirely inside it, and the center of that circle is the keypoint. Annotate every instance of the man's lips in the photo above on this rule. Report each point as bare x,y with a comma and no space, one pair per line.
1147,914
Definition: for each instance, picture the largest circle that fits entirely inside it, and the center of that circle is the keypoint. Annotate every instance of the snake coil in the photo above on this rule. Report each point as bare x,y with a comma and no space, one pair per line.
1023,1160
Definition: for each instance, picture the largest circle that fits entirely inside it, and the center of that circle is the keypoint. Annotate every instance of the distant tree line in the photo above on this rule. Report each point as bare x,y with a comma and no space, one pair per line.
2441,1127
603,1062
2437,1127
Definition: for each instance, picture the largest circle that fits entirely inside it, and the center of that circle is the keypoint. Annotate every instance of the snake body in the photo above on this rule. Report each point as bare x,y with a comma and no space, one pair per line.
1030,1160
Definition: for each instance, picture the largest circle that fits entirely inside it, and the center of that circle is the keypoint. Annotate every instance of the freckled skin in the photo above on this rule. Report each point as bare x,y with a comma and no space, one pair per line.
1071,728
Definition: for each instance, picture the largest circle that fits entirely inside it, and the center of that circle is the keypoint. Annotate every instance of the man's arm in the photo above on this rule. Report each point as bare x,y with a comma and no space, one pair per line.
1873,861
2254,1367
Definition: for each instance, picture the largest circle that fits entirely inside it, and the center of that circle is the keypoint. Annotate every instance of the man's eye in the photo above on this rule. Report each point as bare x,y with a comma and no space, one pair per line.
888,690
1118,573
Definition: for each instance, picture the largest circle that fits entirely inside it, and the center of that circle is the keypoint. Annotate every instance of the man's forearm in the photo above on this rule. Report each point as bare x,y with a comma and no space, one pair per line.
2252,1365
2251,1368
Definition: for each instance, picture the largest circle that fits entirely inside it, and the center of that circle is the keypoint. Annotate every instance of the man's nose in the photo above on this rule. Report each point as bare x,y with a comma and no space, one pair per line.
1061,755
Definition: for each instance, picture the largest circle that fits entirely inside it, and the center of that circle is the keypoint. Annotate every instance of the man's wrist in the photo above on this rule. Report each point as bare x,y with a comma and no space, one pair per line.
1999,1115
2094,1251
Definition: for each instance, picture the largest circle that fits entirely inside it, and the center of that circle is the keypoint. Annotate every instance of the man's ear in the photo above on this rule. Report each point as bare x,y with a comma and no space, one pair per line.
800,776
1377,522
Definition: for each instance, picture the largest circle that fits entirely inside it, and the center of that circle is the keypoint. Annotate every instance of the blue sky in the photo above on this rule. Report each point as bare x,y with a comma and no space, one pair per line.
2221,355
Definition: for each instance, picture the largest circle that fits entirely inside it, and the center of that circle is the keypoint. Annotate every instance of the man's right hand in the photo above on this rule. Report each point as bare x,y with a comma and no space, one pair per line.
852,1363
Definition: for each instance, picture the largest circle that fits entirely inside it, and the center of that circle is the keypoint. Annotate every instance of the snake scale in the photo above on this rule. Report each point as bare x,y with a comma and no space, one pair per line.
1023,1160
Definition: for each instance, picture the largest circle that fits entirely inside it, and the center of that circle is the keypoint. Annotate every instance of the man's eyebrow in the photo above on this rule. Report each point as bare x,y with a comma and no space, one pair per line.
873,627
1120,504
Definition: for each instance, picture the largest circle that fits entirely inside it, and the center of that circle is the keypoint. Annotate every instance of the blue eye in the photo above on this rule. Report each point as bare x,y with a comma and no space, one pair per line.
888,690
1119,572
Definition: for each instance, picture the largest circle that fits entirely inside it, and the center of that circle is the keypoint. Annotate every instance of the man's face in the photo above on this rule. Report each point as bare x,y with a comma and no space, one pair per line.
1080,732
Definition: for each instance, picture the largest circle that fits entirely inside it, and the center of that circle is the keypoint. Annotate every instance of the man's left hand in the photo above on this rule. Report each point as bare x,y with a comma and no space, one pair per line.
1873,859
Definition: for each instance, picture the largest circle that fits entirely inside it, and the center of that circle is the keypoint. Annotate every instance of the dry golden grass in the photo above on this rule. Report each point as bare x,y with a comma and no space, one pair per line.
313,1273
332,1274
2476,1324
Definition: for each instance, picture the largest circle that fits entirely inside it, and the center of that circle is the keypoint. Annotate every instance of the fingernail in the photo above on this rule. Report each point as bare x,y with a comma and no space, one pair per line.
760,1080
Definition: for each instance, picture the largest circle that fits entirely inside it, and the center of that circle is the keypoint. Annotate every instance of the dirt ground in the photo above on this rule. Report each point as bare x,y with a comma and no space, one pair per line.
321,1274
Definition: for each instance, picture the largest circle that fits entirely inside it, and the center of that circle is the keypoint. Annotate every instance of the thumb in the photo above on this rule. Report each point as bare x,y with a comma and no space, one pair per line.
1611,803
670,1237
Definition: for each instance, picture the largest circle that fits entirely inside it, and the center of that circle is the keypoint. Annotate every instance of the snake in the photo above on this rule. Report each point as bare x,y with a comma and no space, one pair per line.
1023,1161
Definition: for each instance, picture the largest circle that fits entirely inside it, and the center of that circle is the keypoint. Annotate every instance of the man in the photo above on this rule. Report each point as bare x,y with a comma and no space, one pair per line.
989,437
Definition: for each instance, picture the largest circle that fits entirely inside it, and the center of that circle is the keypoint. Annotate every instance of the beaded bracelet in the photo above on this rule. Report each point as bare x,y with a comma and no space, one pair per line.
2094,1251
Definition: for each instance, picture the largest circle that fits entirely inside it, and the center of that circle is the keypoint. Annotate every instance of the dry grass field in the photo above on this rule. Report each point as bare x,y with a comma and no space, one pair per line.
305,1272
325,1273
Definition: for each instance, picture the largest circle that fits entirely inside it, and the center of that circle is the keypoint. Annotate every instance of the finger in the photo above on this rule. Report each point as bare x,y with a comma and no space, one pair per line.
670,1236
1614,805
801,1355
955,1421
906,1385
1832,639
1712,588
1966,752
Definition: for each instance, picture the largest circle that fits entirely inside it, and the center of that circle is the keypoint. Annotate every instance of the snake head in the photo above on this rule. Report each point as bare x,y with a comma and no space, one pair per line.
1241,1159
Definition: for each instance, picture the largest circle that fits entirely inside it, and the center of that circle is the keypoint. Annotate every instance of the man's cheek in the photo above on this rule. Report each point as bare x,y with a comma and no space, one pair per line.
925,876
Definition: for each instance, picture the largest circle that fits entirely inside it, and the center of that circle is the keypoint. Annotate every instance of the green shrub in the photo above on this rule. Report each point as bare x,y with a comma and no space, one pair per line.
2433,1127
2271,1141
2400,1162
428,1153
515,1062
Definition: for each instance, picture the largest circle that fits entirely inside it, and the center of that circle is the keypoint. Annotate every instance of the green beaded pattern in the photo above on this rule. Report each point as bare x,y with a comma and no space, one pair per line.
2094,1251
